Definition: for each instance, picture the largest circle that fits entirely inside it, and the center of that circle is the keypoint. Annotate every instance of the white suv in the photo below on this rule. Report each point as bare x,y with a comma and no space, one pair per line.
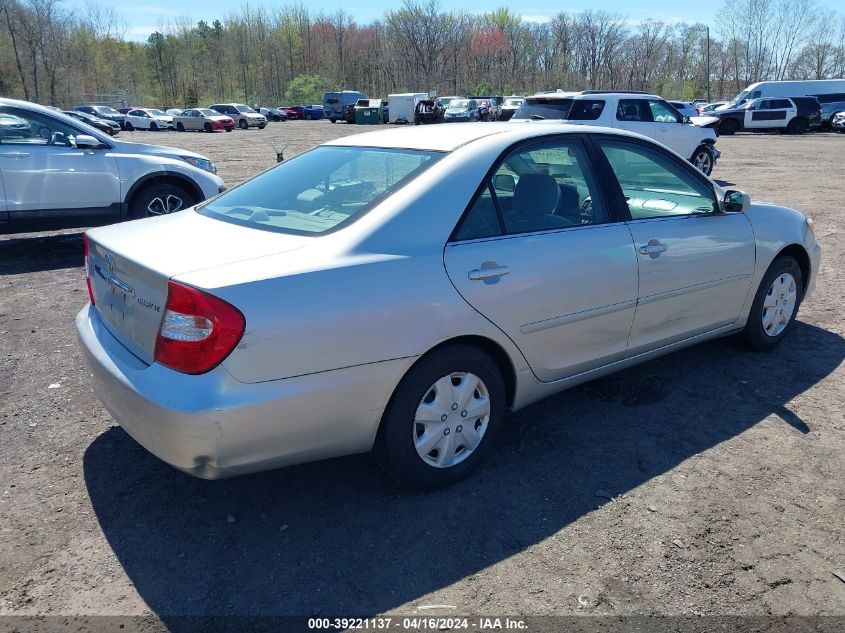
56,172
645,114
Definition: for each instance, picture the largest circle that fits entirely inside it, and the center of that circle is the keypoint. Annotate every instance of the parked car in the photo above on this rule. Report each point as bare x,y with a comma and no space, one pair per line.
510,106
838,122
148,119
126,110
709,107
302,112
243,116
685,108
774,89
645,114
109,127
273,114
347,114
104,112
428,111
204,119
600,249
460,110
335,103
66,173
830,104
794,115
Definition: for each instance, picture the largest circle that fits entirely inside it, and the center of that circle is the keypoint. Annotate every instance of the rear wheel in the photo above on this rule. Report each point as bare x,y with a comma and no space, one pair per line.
703,160
159,199
243,124
797,126
775,304
728,127
180,127
443,418
153,126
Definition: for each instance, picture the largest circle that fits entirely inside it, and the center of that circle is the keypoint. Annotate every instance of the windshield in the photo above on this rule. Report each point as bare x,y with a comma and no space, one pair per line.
458,104
106,110
156,112
244,109
208,112
321,189
737,100
515,103
544,109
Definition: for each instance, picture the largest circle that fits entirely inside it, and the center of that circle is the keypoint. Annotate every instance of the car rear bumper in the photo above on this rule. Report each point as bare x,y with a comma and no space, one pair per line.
213,426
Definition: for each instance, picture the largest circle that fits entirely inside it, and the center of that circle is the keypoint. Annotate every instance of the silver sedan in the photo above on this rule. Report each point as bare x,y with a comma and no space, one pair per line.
401,291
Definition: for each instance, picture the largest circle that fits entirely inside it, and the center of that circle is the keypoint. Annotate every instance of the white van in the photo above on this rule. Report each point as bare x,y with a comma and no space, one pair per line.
401,106
785,89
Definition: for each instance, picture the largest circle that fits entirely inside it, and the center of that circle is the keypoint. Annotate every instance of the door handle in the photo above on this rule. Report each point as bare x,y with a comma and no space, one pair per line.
653,248
14,155
488,272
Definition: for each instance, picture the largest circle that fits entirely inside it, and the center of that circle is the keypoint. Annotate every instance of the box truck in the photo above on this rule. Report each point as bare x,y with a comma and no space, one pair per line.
401,106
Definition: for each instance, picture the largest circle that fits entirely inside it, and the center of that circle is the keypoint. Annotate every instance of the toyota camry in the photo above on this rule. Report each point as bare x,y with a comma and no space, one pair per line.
401,291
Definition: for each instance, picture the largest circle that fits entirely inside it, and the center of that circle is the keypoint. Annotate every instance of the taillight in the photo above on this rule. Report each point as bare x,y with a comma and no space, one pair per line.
87,272
197,330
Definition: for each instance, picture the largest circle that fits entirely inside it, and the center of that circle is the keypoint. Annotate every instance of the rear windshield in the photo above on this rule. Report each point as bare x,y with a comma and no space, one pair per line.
320,190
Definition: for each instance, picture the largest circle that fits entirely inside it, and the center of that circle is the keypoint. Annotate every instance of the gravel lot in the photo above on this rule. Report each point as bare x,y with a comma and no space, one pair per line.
706,482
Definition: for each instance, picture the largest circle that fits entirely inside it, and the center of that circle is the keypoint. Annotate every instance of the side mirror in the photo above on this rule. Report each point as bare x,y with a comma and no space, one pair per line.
504,182
686,119
84,141
737,201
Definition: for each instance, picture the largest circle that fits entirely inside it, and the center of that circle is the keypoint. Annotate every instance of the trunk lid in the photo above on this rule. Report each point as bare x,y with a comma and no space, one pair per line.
129,266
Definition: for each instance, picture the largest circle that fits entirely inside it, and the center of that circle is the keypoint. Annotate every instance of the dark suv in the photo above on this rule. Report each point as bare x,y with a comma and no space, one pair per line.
831,104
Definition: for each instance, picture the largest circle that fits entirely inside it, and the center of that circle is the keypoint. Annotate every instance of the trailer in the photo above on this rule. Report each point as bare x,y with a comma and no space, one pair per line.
401,107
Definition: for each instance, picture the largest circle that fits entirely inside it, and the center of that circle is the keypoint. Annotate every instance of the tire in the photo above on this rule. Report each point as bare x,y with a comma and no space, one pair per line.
207,127
180,127
229,129
728,127
308,117
766,326
702,160
153,127
129,127
797,126
261,127
333,120
243,124
144,203
399,433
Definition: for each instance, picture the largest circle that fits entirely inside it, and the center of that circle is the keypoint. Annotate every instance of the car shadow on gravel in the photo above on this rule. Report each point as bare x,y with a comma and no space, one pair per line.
40,253
339,538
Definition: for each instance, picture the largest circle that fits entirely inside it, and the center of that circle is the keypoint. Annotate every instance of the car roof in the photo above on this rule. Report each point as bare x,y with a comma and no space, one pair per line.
449,137
588,94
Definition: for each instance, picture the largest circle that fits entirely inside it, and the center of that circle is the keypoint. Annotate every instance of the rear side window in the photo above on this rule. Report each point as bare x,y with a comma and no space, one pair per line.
777,104
320,190
633,110
586,109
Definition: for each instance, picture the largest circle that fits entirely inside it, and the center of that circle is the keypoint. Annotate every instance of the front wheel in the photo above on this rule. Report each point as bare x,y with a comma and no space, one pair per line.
443,418
261,127
308,117
702,159
243,124
180,127
129,127
333,120
160,199
153,126
207,127
775,304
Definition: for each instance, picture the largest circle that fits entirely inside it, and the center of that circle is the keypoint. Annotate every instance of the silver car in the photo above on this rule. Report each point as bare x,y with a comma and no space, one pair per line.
401,291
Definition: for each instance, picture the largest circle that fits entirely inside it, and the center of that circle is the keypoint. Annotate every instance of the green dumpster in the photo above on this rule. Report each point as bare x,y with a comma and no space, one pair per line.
368,112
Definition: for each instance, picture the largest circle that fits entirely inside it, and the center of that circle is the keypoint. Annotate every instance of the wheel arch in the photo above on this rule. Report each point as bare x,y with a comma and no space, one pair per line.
799,254
162,178
491,348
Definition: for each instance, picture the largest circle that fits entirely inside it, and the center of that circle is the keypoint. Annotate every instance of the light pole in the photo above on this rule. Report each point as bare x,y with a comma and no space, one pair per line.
708,65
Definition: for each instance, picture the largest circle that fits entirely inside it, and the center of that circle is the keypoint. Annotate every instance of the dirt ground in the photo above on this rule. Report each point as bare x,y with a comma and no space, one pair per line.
706,482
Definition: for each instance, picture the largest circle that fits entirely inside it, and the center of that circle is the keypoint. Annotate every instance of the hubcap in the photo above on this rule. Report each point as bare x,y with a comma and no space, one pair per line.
702,161
779,304
451,419
164,204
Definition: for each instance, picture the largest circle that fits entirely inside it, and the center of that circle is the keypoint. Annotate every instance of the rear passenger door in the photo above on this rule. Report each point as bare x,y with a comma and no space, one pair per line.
634,115
539,255
769,113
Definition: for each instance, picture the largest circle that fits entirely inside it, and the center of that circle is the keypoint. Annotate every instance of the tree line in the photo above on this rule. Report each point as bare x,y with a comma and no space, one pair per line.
52,54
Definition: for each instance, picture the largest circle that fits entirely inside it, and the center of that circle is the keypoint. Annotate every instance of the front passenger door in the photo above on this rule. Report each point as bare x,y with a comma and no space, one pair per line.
695,261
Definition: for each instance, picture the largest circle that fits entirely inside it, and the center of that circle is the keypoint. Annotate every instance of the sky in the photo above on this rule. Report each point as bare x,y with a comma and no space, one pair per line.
145,16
